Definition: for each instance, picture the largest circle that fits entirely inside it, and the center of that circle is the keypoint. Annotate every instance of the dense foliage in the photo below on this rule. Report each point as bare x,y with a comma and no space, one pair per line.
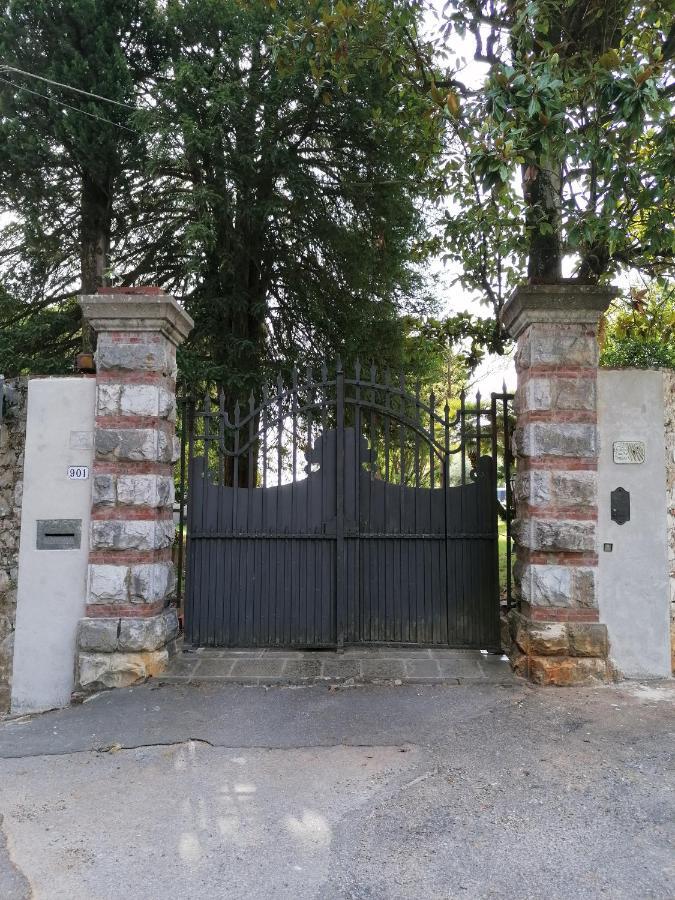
567,149
286,212
641,332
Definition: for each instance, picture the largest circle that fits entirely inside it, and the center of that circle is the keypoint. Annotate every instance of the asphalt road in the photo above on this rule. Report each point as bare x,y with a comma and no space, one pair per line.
220,791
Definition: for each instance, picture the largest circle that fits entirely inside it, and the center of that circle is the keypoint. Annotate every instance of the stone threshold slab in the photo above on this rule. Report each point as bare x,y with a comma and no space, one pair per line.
380,665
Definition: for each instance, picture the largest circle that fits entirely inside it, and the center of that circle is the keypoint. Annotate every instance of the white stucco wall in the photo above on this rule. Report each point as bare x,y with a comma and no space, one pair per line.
51,590
633,577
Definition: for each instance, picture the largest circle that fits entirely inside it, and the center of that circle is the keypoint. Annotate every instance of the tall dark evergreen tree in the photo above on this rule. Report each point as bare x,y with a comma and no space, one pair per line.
68,156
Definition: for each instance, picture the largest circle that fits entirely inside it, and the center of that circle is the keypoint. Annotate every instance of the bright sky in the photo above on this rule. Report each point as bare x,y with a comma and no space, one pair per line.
491,374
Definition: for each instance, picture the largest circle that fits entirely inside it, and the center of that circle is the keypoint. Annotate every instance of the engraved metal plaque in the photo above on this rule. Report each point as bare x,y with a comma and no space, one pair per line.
620,506
59,534
629,452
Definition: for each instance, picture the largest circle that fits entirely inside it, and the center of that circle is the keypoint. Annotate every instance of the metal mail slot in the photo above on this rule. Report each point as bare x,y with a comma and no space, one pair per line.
59,534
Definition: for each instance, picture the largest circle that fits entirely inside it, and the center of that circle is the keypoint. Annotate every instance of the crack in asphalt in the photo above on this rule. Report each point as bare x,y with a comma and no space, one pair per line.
404,747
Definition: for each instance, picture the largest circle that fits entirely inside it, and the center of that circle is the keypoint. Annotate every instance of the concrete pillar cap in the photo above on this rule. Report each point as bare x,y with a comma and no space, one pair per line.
132,310
563,303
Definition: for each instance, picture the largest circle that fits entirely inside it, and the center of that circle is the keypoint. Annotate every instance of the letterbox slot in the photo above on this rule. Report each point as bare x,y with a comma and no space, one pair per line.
59,534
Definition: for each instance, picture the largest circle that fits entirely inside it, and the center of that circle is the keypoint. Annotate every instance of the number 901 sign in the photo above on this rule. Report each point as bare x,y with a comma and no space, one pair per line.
78,473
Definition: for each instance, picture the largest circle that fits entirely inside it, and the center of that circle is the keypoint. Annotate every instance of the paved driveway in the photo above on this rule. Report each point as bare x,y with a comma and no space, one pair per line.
377,791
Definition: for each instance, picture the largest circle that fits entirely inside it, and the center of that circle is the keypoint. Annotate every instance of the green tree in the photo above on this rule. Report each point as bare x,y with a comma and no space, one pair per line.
567,148
286,211
68,157
640,332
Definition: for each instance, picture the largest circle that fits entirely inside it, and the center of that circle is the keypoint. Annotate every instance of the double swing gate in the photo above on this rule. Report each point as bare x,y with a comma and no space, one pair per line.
341,508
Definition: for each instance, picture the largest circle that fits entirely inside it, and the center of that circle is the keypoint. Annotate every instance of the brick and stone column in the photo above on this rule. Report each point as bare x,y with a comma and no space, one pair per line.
557,637
130,625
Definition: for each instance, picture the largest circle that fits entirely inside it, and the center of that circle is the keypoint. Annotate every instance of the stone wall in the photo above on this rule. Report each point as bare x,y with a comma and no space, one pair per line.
12,440
669,427
130,624
556,633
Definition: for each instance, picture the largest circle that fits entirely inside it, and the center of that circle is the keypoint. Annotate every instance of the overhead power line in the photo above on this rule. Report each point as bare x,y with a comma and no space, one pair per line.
67,87
82,112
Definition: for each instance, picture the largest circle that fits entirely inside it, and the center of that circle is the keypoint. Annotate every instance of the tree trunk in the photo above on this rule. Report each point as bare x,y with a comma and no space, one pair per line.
95,216
541,189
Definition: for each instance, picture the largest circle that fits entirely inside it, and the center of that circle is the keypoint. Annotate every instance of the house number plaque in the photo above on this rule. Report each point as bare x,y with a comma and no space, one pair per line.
629,452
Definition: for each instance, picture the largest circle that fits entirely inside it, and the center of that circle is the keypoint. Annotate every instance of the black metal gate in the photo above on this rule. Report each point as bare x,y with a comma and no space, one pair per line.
342,509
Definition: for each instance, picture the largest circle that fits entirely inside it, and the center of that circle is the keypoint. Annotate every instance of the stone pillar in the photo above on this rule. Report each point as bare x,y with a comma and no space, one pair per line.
130,625
557,637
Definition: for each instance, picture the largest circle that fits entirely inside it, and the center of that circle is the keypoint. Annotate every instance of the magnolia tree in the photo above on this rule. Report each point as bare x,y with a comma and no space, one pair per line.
564,152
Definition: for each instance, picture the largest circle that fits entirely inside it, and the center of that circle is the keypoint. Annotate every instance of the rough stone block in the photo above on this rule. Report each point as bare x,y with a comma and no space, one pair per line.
557,439
97,671
97,634
557,345
145,490
555,535
588,639
547,639
145,354
103,490
139,400
556,392
151,582
133,444
108,584
558,586
108,399
109,635
116,534
167,404
150,633
563,489
566,670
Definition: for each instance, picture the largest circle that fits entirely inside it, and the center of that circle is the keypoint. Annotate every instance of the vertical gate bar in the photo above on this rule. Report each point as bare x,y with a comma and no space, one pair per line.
355,630
339,502
190,580
314,547
508,498
478,429
250,480
432,406
388,620
387,400
403,584
401,434
322,487
241,545
495,479
218,549
251,440
280,617
181,511
446,488
294,414
462,433
296,599
417,438
269,594
371,591
206,554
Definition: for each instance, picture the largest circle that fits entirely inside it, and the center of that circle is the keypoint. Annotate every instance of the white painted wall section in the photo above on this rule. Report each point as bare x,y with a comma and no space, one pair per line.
52,583
633,577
